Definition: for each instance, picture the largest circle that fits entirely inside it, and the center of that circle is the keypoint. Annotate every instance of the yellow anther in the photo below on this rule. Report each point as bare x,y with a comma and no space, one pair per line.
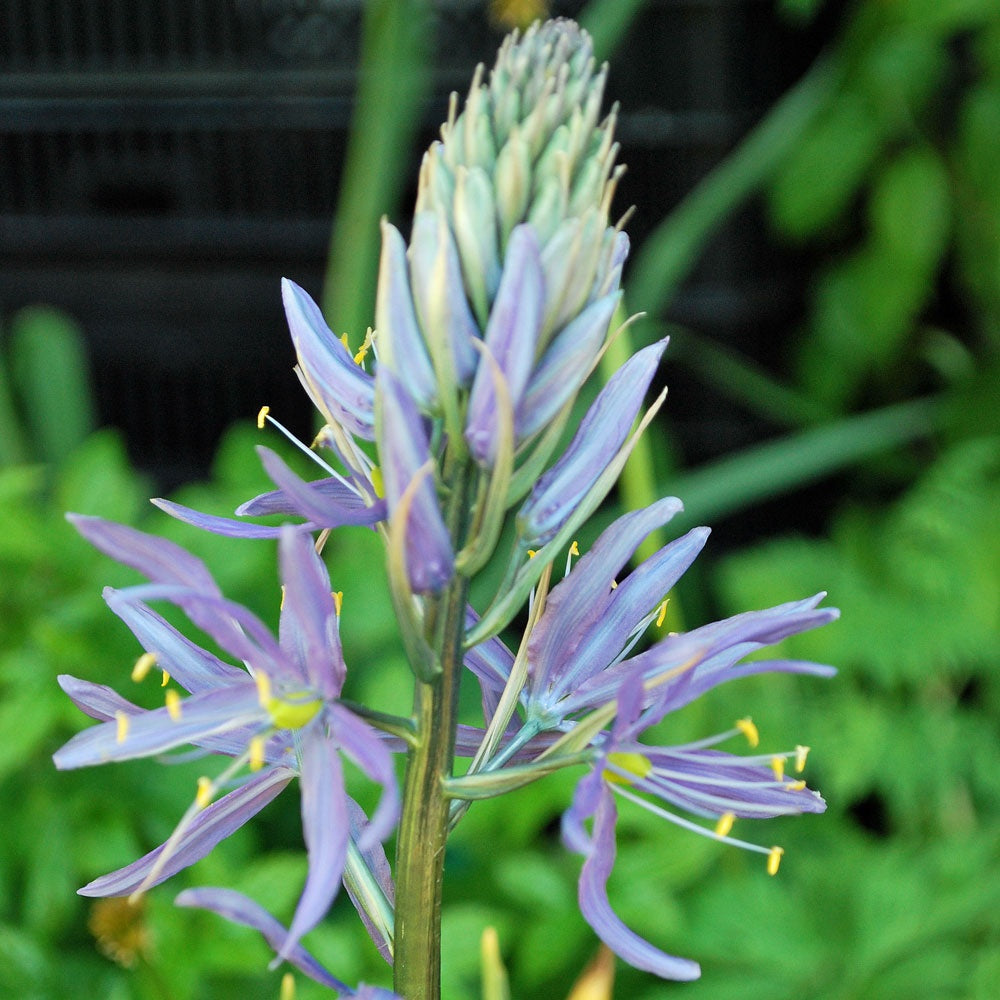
122,719
800,758
725,824
662,616
338,601
203,797
365,347
574,549
173,700
749,730
345,341
795,786
634,763
256,753
263,687
281,603
287,991
142,666
614,584
262,417
288,714
774,860
165,679
778,766
376,479
532,553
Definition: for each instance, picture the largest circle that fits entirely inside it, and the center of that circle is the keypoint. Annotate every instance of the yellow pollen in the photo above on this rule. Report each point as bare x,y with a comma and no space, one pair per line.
287,987
634,763
338,601
778,766
365,346
143,666
801,753
165,679
256,758
532,553
774,860
281,603
574,549
749,730
173,700
376,479
614,584
262,417
263,687
123,723
345,341
795,786
725,824
203,797
662,616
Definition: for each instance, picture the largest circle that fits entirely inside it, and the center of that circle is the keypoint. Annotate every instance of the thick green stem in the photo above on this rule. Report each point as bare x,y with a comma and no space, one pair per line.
423,828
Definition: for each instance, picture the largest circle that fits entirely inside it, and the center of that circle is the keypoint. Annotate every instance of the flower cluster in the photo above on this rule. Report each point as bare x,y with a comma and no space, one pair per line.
488,323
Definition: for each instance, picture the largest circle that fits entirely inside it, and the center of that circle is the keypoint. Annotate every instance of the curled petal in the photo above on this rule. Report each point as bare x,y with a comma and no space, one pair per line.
596,908
341,389
239,909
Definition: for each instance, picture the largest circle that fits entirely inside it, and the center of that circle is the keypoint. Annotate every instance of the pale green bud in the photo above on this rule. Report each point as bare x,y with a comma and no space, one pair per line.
477,238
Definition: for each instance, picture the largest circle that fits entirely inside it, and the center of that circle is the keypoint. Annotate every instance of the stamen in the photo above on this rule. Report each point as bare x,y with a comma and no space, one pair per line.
774,860
123,723
345,341
795,786
375,476
165,679
614,584
204,794
281,603
263,687
725,824
173,700
287,987
627,767
662,616
262,417
338,601
778,766
365,347
801,753
256,753
532,553
574,549
142,666
749,730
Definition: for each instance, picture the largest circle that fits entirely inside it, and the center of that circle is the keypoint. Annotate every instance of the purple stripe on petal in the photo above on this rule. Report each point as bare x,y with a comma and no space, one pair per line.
340,388
211,826
239,909
325,827
279,502
596,908
601,433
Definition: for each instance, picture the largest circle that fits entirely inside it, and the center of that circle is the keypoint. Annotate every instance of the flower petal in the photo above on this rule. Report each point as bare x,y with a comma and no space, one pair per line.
596,908
211,826
226,526
341,389
239,909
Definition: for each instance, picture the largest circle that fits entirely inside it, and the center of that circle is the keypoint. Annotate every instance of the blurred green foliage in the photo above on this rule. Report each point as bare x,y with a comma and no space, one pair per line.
885,169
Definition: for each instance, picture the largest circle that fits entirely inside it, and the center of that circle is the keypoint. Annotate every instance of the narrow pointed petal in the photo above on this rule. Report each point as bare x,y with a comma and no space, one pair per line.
201,716
601,434
379,871
321,507
96,700
596,908
326,827
404,449
583,598
309,630
564,366
239,909
339,387
512,337
333,491
227,526
401,343
156,558
363,745
194,668
211,826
